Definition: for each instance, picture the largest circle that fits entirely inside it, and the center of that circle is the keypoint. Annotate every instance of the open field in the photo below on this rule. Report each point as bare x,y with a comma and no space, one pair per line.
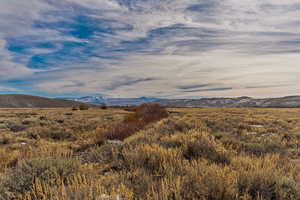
203,153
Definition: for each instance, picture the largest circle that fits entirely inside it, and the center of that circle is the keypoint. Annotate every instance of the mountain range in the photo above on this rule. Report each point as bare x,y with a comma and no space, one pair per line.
27,101
282,102
285,102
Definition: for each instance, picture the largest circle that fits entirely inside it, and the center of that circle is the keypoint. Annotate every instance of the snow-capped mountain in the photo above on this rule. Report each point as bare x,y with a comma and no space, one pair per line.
95,100
99,100
283,102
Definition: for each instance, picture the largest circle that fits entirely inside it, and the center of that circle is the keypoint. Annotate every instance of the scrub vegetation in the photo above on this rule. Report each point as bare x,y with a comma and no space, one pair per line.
149,152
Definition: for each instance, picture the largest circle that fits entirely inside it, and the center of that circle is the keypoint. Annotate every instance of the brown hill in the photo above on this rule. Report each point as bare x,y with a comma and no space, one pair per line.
28,101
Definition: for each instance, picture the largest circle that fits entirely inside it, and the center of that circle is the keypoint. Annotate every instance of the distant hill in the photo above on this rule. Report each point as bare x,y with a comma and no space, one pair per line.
283,102
27,101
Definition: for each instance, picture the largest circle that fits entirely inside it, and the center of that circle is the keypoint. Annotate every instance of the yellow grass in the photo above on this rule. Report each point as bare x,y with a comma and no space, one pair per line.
203,153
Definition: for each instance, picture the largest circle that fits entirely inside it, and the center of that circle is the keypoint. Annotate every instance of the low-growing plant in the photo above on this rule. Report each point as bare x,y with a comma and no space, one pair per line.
154,159
103,107
16,127
105,154
74,108
83,107
48,170
43,118
27,122
192,153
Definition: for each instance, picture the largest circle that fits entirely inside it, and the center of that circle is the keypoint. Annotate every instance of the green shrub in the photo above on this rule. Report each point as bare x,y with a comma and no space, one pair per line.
52,132
107,153
43,118
27,122
16,127
261,148
48,170
287,188
83,107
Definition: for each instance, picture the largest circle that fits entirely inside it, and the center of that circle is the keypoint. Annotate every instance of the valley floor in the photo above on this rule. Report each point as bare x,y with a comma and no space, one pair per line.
193,153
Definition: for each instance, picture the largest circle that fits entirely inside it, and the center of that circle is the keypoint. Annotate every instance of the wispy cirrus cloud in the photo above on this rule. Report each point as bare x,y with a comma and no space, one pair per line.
171,48
4,90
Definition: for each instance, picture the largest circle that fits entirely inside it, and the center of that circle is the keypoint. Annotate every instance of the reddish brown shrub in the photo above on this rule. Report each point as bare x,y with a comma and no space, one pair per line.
150,112
143,115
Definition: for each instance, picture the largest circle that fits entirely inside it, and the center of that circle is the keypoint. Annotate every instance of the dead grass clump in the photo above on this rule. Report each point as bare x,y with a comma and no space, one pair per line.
154,159
78,187
246,178
209,181
8,158
171,126
6,139
165,128
266,178
195,145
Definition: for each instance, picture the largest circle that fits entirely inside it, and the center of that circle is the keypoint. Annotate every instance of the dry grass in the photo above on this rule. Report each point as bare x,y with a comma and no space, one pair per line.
206,154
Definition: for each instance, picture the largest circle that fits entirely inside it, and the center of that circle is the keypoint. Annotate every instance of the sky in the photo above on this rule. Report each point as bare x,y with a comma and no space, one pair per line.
157,48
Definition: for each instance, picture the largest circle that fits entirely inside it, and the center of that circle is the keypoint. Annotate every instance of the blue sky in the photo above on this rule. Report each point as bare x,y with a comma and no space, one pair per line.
161,48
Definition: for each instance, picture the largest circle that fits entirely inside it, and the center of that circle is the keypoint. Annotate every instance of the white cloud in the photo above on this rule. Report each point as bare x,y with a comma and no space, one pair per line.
247,75
8,68
250,46
8,89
